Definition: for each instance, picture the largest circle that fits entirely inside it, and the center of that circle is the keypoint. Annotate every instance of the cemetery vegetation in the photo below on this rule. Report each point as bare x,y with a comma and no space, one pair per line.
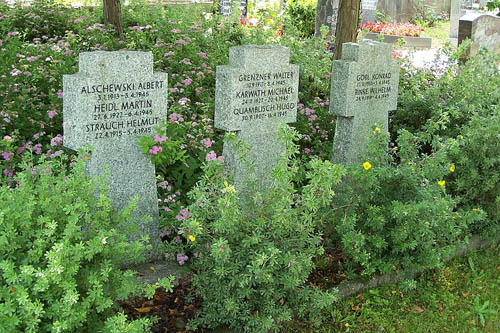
61,252
255,266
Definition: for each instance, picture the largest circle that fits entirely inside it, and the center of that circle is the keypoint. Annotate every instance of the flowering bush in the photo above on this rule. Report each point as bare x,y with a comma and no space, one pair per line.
61,254
407,208
397,29
397,216
251,256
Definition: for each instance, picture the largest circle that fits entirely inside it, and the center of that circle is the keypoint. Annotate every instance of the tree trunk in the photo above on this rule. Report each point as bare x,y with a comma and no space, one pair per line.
112,14
347,24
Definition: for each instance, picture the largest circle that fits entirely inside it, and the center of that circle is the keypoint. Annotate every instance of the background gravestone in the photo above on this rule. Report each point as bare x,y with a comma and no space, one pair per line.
326,14
226,5
482,29
113,98
455,13
255,94
364,88
369,8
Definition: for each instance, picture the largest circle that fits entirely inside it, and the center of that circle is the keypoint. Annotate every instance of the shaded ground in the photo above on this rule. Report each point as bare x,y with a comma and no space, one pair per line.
173,310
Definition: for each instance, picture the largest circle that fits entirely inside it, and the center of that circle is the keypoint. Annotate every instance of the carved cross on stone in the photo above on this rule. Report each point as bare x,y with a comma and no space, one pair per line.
364,89
114,98
255,94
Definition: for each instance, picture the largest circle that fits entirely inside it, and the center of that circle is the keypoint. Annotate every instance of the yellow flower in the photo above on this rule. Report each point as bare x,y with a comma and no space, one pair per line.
367,166
452,168
346,324
376,130
441,183
192,238
228,188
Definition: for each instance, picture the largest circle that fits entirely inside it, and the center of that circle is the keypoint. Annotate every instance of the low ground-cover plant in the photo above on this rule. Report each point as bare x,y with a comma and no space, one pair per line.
251,254
61,249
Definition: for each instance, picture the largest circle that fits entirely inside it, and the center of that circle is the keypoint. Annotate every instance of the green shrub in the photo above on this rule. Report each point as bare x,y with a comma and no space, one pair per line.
392,215
476,165
302,15
437,102
252,254
61,249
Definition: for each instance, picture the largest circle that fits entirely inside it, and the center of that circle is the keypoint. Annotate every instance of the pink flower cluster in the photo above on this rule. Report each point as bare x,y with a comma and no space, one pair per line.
183,215
160,139
213,156
155,150
181,259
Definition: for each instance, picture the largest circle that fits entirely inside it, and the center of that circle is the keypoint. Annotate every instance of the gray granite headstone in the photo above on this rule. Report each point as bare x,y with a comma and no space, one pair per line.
114,98
225,7
326,14
455,13
255,94
369,8
364,88
482,29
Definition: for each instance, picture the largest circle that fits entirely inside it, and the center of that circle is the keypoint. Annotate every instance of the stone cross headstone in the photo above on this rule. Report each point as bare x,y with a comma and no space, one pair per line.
364,89
255,94
369,9
326,14
114,98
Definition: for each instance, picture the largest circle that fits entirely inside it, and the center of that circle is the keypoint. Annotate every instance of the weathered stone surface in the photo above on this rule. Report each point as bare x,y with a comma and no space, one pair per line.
113,98
364,88
482,29
455,13
369,9
326,14
255,94
417,42
405,10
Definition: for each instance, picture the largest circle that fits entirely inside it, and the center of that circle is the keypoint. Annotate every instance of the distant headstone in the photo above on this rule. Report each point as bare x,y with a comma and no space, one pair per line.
482,29
455,13
255,94
364,89
369,9
113,98
458,9
226,5
326,14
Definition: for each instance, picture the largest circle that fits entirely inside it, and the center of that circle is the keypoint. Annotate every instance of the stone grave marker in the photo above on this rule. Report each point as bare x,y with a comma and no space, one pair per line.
255,94
364,89
114,98
369,8
326,14
225,7
482,29
458,9
455,13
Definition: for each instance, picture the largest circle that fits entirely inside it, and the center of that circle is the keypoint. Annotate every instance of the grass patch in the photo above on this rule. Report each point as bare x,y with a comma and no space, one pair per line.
439,33
463,296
